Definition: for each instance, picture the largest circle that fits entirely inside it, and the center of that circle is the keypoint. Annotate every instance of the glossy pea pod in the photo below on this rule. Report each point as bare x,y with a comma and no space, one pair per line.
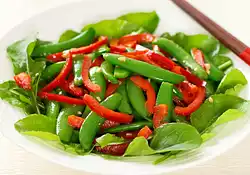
92,124
83,39
143,68
52,70
52,109
108,72
63,129
121,73
214,73
165,96
96,76
130,127
124,106
137,99
75,136
183,57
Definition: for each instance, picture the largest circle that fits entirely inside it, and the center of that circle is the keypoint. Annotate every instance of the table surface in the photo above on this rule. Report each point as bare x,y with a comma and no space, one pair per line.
230,14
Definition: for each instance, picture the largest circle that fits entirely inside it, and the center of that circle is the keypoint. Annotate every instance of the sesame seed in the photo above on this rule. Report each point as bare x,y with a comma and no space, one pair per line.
99,98
123,59
98,69
79,112
210,99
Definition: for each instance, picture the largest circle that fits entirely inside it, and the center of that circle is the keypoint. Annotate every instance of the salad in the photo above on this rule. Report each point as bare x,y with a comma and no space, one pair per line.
118,89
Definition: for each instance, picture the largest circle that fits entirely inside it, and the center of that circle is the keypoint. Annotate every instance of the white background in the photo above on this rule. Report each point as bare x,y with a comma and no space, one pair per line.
231,14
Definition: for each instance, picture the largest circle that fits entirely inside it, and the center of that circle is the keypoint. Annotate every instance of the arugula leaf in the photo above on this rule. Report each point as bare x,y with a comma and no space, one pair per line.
175,137
230,81
16,96
139,147
215,106
109,139
115,28
228,116
168,137
67,35
147,20
207,136
36,122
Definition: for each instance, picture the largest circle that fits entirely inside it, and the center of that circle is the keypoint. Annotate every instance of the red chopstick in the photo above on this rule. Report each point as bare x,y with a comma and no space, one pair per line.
230,41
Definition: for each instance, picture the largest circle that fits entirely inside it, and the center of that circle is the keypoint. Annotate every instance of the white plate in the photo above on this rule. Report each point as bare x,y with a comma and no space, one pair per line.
51,24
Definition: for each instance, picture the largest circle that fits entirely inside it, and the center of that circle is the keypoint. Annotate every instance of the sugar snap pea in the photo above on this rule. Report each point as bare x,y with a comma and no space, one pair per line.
124,106
121,73
108,72
52,109
52,70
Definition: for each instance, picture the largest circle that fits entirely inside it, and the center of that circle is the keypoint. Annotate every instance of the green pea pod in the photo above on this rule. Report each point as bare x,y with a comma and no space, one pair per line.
222,62
52,70
78,61
137,99
75,136
108,72
215,73
52,109
130,127
165,96
121,73
96,76
92,123
63,129
184,58
83,39
143,68
210,88
124,106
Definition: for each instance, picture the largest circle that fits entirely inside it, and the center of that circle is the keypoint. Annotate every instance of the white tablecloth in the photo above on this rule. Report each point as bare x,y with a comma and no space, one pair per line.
231,14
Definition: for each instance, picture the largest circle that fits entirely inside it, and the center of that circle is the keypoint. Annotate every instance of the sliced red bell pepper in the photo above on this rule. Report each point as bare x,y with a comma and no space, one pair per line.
186,111
90,48
70,87
129,135
139,38
75,121
146,86
198,56
61,98
95,106
190,77
145,132
163,61
112,88
116,150
188,91
85,76
115,47
160,111
61,76
23,80
109,124
56,57
97,62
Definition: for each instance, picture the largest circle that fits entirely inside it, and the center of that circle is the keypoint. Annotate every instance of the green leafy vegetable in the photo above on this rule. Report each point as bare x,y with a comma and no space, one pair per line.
207,136
109,139
229,115
233,78
213,107
175,137
222,62
223,49
16,96
36,122
67,35
146,20
113,28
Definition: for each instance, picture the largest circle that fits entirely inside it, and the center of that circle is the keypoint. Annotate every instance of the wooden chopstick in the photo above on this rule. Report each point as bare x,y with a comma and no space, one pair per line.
231,42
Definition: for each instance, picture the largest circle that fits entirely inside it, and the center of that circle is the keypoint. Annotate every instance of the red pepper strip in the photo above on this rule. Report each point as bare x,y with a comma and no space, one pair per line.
61,98
90,48
97,62
23,80
163,61
75,121
112,88
190,77
69,86
160,112
85,76
61,76
145,132
129,135
116,150
139,38
115,47
56,57
188,91
95,106
109,124
185,111
141,56
198,56
146,86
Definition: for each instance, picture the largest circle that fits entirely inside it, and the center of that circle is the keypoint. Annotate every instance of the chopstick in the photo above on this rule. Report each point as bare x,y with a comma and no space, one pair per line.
230,41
